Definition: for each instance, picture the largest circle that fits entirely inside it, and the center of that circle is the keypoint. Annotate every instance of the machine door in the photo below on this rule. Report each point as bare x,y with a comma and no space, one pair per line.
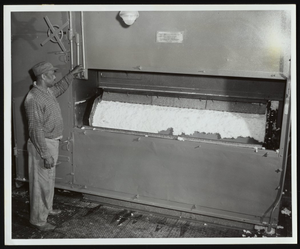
29,30
211,179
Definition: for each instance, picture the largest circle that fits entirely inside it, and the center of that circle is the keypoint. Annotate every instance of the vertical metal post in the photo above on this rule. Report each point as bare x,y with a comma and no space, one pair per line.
284,143
78,48
16,165
71,40
83,47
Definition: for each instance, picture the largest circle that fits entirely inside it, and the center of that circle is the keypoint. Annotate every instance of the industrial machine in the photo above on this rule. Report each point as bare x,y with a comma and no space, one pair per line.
224,77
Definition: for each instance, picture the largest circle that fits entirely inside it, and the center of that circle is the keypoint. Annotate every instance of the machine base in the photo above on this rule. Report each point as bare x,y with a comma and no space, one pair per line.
168,212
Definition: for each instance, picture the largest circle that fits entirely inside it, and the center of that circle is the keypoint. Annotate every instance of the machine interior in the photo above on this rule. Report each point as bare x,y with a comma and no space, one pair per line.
142,99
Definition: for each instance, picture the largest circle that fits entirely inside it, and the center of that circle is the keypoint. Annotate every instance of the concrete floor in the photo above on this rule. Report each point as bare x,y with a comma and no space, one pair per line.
83,218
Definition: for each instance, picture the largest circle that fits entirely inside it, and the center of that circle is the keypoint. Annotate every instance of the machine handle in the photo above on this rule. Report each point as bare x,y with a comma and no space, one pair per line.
67,144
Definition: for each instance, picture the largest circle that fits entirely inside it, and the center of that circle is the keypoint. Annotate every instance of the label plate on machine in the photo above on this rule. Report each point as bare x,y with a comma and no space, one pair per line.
169,37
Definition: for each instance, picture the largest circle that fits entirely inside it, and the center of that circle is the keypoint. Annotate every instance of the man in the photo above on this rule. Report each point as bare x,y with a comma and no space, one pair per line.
45,130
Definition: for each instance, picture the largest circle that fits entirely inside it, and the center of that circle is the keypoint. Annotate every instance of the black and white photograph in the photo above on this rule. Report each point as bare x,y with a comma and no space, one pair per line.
150,124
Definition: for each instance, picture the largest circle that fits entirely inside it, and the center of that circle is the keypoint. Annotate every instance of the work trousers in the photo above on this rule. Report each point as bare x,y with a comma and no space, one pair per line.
41,182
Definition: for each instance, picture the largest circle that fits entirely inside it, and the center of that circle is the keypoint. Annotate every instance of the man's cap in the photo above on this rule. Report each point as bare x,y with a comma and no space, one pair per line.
43,67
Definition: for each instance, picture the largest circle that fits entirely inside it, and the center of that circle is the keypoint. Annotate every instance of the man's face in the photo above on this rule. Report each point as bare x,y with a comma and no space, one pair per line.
50,78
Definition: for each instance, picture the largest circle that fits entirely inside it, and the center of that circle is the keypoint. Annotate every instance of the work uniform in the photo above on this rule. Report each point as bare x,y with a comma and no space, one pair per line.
45,130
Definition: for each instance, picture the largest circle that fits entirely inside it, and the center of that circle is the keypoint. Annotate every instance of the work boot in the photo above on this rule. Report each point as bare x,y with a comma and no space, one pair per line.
55,212
44,228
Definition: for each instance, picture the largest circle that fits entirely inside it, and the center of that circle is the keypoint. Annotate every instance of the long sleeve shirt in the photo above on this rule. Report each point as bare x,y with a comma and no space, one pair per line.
44,113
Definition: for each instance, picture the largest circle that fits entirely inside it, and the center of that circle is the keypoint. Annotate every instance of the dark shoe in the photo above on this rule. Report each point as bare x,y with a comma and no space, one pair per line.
46,227
55,212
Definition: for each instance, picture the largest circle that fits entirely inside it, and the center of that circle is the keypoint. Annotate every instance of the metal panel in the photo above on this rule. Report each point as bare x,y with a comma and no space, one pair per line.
29,30
215,178
191,86
236,107
84,93
229,43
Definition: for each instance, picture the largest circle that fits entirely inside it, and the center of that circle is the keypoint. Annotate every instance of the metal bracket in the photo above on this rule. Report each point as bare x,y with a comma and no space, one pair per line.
67,143
193,207
16,151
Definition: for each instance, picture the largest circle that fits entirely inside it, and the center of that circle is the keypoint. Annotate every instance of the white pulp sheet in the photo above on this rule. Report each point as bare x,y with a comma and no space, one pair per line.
153,119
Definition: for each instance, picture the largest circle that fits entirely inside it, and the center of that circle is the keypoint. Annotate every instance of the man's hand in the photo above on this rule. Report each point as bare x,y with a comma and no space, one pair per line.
49,162
77,69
